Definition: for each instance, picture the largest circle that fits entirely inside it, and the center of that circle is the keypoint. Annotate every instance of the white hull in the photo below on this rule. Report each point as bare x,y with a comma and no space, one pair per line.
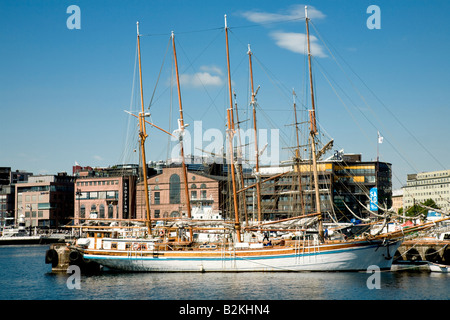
355,257
435,267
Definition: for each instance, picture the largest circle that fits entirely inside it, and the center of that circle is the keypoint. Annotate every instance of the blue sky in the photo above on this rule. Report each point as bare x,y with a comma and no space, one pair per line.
63,92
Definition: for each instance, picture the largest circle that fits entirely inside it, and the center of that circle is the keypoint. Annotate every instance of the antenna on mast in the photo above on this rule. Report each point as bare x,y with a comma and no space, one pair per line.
137,27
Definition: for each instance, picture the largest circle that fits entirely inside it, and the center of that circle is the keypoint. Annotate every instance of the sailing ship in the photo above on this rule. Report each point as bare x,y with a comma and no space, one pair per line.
241,248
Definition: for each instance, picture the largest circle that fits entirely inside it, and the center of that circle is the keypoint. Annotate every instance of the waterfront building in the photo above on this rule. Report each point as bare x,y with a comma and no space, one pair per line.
344,186
105,193
45,200
397,200
8,179
7,193
422,186
167,193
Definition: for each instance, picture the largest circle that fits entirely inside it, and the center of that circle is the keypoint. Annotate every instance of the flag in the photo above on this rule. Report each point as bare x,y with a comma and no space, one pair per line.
373,193
380,138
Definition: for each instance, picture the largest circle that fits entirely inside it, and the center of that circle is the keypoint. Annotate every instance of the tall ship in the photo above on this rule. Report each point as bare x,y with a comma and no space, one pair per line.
303,243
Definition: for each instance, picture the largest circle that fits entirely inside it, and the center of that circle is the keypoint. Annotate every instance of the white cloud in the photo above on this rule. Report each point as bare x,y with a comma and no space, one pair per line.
209,76
296,42
294,12
98,158
212,69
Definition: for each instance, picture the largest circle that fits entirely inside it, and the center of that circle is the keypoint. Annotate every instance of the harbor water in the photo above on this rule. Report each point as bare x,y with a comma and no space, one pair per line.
25,276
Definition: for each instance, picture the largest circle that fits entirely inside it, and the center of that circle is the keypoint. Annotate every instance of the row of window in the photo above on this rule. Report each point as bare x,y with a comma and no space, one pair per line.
97,183
418,194
100,212
51,188
97,195
431,182
157,196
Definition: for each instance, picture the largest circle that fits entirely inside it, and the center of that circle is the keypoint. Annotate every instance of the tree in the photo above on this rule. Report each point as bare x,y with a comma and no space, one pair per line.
416,209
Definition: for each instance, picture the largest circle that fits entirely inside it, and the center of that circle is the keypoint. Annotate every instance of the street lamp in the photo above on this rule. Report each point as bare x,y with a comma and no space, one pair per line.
29,206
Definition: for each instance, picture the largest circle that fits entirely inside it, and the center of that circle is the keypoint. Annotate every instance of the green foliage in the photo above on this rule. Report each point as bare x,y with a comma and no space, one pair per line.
416,209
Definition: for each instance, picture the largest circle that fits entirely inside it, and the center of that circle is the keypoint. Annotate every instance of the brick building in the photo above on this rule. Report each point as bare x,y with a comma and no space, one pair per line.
168,198
106,193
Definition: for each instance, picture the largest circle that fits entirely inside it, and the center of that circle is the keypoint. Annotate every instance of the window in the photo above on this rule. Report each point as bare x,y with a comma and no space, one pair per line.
194,195
112,195
94,209
157,197
44,206
174,189
157,213
82,211
102,211
110,211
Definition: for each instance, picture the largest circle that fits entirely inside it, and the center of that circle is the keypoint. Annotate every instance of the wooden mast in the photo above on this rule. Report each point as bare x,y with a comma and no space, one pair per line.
240,171
237,225
297,157
313,131
253,103
181,128
143,135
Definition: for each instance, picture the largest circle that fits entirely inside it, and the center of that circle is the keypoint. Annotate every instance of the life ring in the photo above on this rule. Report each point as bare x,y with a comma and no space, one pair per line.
143,246
51,256
162,233
75,257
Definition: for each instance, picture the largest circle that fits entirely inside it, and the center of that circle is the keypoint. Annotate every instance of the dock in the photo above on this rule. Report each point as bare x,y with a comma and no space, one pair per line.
63,255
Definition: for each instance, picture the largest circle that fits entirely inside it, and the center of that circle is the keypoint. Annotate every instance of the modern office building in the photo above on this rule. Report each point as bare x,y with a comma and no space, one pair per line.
422,186
8,179
45,200
344,189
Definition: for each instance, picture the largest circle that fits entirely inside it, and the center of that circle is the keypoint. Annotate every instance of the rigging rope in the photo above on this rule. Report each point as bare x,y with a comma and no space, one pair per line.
159,75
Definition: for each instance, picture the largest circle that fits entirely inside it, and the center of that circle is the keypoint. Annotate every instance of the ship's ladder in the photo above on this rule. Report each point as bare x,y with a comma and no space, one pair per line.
307,250
228,254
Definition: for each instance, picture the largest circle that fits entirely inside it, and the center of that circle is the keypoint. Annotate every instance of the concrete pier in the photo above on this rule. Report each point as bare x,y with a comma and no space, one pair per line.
424,250
62,255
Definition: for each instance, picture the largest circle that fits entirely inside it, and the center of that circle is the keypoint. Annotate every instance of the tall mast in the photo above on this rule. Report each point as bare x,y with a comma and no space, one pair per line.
181,128
237,225
297,156
313,131
239,171
253,103
143,135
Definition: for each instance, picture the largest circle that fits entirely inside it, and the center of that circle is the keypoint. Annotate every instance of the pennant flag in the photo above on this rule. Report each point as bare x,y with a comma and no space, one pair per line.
380,138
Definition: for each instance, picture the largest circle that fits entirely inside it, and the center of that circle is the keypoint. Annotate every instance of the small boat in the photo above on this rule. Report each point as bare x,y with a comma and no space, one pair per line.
437,267
20,236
